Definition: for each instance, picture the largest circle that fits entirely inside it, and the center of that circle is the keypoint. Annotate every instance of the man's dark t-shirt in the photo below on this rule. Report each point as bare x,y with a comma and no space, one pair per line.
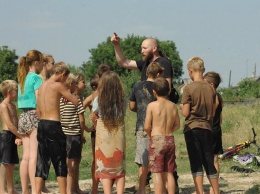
165,63
142,95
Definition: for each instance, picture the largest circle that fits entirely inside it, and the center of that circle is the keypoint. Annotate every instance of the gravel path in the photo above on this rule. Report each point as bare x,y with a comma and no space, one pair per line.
230,183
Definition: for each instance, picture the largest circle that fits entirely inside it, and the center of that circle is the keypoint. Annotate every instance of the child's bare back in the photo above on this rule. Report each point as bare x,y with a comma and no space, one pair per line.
164,117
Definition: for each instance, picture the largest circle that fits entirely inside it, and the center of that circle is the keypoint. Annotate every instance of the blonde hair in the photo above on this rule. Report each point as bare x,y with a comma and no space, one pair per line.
7,86
47,57
60,68
24,64
70,79
79,77
153,69
196,64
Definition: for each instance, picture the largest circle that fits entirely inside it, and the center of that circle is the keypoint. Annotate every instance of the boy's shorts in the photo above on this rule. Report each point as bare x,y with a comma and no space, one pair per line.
28,121
162,154
74,146
217,140
8,148
142,148
200,150
51,148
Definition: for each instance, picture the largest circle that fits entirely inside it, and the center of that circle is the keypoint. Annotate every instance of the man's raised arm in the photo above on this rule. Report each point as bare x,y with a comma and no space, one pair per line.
120,57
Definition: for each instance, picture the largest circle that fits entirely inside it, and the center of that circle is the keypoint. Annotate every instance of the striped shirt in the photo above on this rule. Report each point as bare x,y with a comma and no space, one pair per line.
70,117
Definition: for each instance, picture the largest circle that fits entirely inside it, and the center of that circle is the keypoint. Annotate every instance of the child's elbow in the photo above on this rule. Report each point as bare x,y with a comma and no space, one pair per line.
132,108
177,127
146,128
185,113
76,102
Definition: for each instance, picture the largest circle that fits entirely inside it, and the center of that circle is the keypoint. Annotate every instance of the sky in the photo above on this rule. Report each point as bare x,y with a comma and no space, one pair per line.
225,33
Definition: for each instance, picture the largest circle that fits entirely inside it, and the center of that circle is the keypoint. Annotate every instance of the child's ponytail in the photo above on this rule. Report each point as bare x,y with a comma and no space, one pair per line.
23,69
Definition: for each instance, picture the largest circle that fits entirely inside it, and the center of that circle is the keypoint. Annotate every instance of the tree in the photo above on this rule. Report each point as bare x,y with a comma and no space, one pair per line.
131,45
8,66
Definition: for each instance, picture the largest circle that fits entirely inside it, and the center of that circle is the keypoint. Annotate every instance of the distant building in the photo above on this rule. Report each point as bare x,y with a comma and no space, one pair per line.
185,81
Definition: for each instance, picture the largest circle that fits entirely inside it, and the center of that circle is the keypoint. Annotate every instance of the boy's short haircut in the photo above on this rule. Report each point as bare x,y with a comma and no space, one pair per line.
153,69
94,81
196,64
71,78
161,86
79,77
8,85
102,68
213,77
60,68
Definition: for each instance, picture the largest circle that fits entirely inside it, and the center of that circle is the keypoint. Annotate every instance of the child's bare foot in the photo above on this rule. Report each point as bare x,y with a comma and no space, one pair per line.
26,192
45,190
14,192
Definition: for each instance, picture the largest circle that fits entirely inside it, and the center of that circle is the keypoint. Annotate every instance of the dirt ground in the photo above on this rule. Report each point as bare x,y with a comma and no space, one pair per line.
230,183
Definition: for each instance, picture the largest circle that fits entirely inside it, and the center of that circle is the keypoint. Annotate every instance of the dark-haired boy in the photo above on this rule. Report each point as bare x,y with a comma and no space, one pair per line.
141,96
214,80
161,120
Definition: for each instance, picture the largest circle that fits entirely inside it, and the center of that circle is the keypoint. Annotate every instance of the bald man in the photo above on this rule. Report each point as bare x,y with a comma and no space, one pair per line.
150,53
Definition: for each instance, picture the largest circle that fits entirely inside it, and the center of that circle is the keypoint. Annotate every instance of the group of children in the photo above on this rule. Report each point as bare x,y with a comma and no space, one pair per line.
52,124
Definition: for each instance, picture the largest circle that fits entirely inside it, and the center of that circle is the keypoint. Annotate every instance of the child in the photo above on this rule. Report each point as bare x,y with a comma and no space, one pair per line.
214,80
80,87
29,82
88,102
141,96
198,107
71,126
110,132
52,141
48,63
161,120
9,136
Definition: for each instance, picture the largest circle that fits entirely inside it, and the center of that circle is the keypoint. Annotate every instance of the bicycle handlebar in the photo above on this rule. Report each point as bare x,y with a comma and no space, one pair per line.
240,146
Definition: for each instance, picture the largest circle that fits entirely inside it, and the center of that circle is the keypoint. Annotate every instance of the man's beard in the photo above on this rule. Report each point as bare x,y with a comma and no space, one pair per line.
148,57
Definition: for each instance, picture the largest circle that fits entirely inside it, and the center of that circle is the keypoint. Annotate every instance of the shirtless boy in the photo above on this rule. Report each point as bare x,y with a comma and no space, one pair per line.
161,120
51,139
8,149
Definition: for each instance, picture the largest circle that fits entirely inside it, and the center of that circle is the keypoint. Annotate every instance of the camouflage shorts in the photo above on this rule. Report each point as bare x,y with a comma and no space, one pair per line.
28,121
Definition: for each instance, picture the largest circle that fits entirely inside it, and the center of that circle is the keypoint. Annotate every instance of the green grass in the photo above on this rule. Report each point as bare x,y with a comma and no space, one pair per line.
237,123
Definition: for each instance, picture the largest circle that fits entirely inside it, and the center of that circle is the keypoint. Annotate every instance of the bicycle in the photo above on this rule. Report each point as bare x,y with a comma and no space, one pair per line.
231,151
